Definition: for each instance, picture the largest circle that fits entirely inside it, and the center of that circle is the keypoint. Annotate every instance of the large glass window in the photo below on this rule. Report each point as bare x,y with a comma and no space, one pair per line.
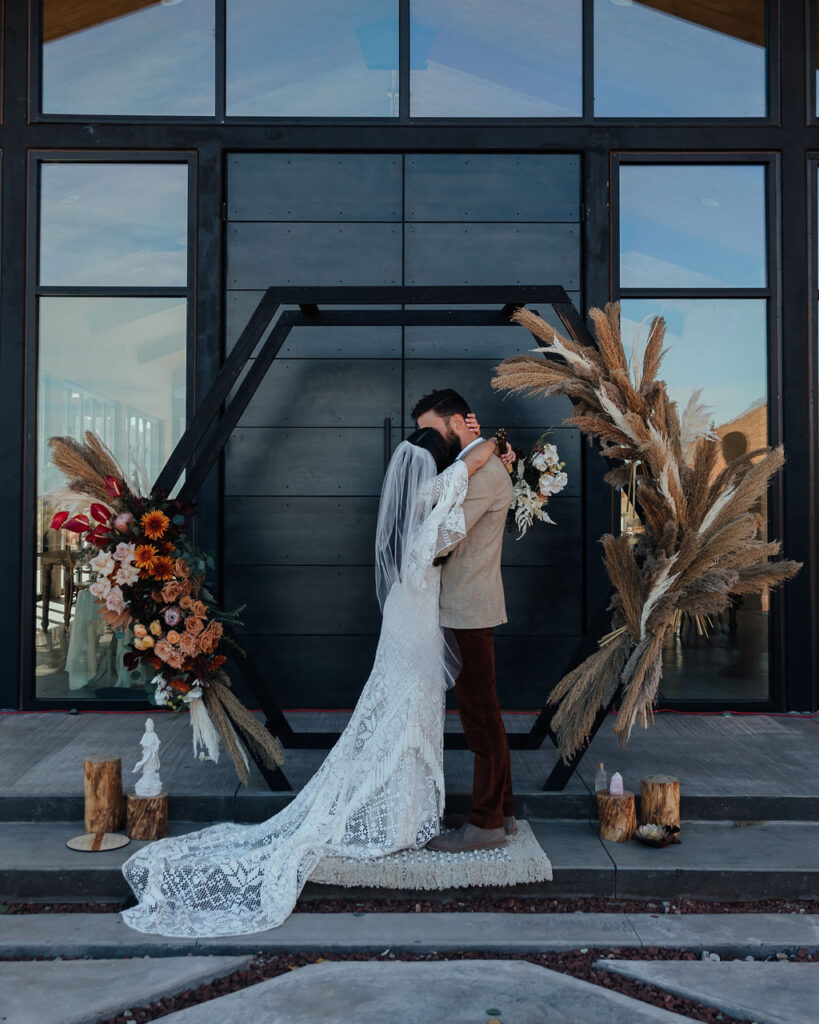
317,58
696,226
111,363
716,344
114,224
496,60
702,60
128,58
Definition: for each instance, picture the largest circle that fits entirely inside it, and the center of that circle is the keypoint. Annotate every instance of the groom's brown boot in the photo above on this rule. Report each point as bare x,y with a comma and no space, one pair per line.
468,837
453,820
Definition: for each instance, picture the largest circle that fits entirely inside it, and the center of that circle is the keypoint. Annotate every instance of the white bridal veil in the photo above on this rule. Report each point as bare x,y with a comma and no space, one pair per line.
410,491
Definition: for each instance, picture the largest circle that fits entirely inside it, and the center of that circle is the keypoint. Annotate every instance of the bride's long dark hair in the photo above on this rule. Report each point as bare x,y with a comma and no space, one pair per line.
438,447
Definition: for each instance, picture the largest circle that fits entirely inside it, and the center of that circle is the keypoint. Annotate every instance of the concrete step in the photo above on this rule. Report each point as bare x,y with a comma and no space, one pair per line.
714,861
730,768
108,936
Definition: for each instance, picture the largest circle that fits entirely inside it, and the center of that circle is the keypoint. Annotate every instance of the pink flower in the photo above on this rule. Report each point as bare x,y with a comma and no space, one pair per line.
122,520
172,616
115,601
124,552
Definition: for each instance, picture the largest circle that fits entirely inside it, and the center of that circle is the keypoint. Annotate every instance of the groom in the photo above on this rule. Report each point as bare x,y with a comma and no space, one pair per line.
472,605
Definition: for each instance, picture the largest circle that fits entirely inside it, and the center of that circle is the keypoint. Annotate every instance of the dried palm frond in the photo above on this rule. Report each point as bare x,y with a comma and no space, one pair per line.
701,539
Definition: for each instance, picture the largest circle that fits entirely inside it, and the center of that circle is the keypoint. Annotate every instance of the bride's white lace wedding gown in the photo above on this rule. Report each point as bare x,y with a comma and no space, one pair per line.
380,789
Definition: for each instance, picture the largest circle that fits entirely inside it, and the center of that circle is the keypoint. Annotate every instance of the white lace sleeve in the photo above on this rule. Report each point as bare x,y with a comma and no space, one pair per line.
449,492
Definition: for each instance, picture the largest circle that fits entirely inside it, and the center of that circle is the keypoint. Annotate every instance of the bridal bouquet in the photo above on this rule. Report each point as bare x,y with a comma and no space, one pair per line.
535,478
150,583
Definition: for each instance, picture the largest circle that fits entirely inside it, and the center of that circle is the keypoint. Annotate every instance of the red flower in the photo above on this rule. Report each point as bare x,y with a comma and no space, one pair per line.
78,524
100,512
58,520
113,486
99,536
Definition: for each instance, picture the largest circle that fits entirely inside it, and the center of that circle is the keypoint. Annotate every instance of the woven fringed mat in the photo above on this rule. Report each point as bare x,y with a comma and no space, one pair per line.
521,860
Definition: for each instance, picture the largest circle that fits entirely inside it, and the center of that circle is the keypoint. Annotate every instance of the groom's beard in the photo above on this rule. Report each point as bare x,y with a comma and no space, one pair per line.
453,444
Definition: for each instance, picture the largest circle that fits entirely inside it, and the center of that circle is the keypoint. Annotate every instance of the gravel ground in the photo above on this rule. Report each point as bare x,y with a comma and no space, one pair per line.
578,963
479,902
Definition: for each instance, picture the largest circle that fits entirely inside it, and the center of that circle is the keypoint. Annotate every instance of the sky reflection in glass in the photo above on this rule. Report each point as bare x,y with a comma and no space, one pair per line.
719,345
317,58
158,60
114,224
696,226
480,59
651,64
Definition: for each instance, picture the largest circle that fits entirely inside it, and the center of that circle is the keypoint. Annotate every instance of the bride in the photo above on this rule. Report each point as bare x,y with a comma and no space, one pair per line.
381,787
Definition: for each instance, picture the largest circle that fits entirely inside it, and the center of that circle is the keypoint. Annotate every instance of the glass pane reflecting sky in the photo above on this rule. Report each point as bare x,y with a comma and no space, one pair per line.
473,58
651,64
316,58
125,356
692,226
717,344
114,224
156,60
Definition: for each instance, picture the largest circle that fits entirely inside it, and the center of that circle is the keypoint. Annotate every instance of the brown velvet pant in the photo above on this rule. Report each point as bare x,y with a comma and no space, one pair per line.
483,727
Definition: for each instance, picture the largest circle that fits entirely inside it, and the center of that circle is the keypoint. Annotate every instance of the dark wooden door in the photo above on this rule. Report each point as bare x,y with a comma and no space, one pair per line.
304,466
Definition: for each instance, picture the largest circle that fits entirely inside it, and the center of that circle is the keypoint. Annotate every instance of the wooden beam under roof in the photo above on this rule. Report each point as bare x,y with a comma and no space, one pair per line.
65,17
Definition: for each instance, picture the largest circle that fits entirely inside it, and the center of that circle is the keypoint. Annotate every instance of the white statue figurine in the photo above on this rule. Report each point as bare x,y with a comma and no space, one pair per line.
149,784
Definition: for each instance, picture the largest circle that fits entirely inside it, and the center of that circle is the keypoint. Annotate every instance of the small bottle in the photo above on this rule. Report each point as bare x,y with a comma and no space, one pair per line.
616,784
601,780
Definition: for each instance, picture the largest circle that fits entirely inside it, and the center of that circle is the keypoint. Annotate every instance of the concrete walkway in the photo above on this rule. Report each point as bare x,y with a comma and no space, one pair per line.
107,935
770,993
67,992
422,993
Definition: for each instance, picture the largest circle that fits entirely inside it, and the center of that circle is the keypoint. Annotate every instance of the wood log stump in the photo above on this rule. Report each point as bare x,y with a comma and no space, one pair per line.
104,800
147,816
660,800
618,820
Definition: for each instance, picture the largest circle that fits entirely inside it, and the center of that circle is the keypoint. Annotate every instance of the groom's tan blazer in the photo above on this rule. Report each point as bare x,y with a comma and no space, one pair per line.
471,585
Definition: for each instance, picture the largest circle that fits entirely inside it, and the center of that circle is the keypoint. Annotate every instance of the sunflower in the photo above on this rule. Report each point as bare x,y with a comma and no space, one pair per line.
162,568
144,555
154,523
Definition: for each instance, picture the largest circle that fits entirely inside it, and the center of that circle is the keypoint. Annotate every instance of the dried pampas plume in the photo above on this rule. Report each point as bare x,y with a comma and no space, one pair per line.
700,539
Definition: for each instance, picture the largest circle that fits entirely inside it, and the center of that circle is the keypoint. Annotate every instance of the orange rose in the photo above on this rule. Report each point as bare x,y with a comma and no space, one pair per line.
181,568
186,602
170,592
140,630
173,636
194,625
207,642
199,609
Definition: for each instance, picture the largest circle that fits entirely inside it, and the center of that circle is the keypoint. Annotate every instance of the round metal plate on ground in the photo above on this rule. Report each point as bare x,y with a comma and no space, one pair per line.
94,842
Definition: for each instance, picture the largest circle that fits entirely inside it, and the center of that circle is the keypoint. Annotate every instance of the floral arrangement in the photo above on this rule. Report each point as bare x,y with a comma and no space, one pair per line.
535,478
700,541
150,584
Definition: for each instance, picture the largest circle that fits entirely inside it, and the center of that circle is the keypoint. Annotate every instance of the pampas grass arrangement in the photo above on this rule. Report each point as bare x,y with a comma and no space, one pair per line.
700,541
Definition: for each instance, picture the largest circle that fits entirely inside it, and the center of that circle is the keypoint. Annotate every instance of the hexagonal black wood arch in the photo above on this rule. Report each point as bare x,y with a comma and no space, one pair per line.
208,424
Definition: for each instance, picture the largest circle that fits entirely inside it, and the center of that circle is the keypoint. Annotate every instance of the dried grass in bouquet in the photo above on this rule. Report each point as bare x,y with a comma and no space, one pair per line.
700,541
150,584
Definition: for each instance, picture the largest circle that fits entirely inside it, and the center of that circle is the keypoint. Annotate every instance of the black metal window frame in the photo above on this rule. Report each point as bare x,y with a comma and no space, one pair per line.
772,294
812,387
34,292
773,52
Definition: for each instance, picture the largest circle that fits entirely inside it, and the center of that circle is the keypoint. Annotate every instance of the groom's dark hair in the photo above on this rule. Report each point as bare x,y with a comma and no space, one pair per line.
445,403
